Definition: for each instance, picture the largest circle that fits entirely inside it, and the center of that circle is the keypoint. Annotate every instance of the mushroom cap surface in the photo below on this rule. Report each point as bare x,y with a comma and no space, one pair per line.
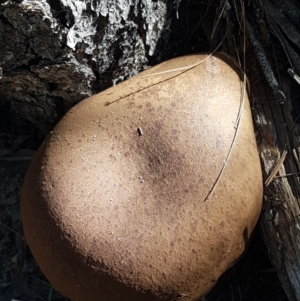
148,190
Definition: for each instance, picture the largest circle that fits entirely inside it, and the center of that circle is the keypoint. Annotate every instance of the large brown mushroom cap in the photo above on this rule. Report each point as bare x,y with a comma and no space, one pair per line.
148,190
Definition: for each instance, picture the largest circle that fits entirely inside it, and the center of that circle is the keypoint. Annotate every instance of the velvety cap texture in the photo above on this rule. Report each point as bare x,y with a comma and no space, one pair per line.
148,190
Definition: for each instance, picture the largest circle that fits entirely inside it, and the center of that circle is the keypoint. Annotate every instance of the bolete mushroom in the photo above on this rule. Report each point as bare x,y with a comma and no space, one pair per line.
148,190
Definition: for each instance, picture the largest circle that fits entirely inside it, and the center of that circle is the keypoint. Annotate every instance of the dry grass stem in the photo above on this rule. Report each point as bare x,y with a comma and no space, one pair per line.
276,169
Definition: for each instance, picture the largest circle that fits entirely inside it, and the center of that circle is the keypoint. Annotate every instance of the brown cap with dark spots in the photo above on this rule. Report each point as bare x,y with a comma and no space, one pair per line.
148,190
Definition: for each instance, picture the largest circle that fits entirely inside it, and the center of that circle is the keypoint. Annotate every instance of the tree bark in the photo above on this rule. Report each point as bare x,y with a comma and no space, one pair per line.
56,53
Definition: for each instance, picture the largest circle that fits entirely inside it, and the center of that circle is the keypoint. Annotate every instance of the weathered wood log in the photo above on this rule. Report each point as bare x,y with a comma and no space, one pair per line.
278,141
277,125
